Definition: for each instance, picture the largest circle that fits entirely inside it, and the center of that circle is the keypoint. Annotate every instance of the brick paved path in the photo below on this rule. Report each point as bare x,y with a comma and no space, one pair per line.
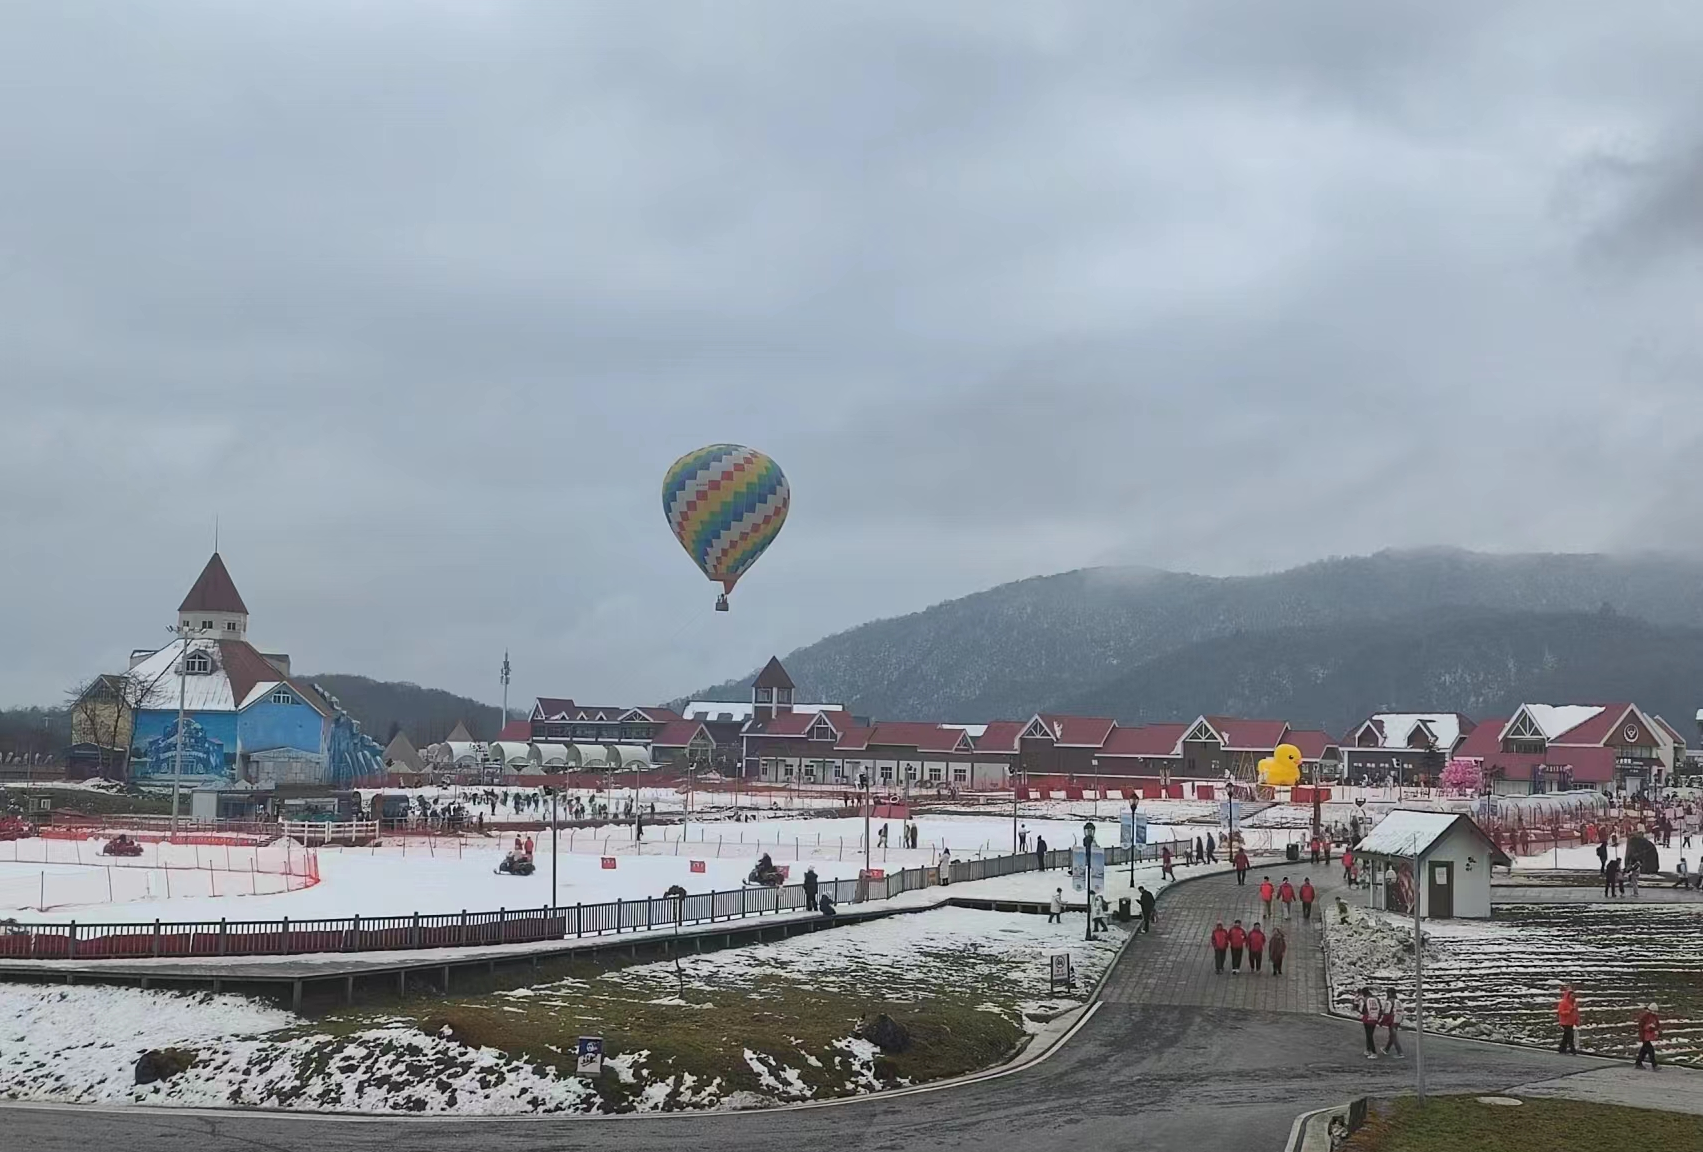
1173,963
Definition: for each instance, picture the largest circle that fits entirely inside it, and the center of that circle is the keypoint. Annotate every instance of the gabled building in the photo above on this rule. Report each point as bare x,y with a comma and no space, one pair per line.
247,720
555,720
1553,748
1406,745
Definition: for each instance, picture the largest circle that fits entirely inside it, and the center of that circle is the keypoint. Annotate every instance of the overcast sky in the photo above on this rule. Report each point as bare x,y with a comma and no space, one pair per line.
419,299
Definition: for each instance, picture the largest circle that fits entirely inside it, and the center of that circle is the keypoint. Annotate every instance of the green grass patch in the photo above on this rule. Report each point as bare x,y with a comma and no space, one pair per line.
1463,1124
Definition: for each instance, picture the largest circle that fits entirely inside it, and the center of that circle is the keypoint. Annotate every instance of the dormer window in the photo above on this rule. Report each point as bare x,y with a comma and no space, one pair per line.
282,696
765,695
198,664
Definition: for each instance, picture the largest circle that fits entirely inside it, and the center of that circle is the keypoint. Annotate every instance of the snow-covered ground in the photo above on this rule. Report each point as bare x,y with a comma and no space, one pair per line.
1498,979
1583,858
448,874
80,1044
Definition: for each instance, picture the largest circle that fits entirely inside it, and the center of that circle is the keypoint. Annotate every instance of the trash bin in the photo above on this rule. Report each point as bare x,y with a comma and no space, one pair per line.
1123,908
1292,853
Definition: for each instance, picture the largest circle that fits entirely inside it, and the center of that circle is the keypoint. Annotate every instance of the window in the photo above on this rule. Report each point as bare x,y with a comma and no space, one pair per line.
282,696
230,625
886,774
839,772
199,664
960,774
765,695
934,773
810,771
787,774
207,624
910,771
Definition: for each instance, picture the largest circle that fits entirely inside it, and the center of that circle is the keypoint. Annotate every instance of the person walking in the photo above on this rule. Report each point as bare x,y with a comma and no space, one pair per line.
1649,1031
1391,1020
1631,873
1220,944
1211,850
1149,910
1277,949
1611,877
1602,857
1023,839
1055,910
1268,893
810,888
1199,851
1241,862
1348,865
1286,894
1100,910
1308,895
1256,946
1567,1016
1238,941
1040,852
1165,871
1313,847
1370,1012
1680,871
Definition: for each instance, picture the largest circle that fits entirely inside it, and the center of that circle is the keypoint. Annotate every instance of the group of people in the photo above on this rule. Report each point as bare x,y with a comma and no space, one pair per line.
909,836
1567,1017
1380,1012
1277,901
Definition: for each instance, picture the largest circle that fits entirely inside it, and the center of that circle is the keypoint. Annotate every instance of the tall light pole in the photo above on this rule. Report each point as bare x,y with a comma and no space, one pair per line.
555,825
1095,763
505,722
1015,850
185,633
1088,873
863,779
1134,802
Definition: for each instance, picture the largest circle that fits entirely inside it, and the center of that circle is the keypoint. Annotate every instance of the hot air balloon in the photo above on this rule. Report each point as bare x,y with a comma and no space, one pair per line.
726,504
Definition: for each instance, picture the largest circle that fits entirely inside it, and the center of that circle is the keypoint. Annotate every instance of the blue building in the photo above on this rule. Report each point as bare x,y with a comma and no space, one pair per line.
248,722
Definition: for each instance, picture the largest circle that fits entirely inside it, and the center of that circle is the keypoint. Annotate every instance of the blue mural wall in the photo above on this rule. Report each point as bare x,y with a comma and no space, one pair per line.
264,724
354,755
205,757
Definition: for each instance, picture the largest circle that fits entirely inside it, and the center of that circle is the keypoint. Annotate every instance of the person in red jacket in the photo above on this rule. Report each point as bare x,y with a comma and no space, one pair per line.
1567,1015
1268,893
1165,869
1307,897
1649,1031
1220,942
1241,866
1238,941
1286,895
1348,864
1256,946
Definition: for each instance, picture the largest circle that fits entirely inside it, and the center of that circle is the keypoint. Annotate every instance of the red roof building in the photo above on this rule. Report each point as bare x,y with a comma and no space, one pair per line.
1554,747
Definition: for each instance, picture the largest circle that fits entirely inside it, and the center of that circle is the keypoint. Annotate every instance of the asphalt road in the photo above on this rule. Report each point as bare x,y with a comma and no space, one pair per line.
1177,1059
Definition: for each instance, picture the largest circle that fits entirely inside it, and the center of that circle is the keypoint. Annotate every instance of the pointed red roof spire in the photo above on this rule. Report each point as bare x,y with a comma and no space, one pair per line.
214,591
773,675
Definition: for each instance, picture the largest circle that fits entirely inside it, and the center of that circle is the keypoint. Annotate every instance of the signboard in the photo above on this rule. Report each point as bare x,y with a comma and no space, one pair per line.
608,863
1229,811
589,1061
697,865
1059,971
1079,868
873,873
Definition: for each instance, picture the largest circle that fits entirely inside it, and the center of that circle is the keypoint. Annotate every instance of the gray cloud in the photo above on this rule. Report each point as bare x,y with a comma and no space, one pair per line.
420,299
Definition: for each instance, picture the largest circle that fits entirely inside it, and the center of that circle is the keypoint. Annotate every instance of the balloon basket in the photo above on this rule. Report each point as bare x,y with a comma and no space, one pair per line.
721,603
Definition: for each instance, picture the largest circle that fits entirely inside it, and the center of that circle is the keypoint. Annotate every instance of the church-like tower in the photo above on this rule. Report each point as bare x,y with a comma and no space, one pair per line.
214,606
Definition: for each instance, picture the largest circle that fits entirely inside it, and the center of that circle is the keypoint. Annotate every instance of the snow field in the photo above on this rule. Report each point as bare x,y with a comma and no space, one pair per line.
43,875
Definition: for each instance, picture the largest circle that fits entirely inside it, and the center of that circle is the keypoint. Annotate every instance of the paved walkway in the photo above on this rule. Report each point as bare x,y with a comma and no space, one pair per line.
1199,1066
1673,1089
1173,964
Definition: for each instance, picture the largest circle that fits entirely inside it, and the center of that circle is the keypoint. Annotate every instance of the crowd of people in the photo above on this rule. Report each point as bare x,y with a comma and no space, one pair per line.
1264,951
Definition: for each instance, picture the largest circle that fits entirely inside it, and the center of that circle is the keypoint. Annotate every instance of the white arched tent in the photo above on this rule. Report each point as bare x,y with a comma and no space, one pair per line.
506,752
630,757
465,753
589,756
551,755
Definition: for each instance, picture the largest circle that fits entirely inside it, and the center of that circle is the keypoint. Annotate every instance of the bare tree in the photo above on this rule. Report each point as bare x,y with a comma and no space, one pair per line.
103,711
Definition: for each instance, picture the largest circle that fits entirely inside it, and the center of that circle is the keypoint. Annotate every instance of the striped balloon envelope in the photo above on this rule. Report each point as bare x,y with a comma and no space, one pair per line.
726,504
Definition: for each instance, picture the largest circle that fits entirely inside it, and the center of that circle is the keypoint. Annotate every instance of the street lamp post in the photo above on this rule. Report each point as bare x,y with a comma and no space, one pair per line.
185,633
555,826
1134,802
863,782
1088,873
1095,764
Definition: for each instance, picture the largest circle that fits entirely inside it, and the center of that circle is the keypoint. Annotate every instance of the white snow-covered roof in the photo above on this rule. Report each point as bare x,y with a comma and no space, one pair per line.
201,693
1398,727
551,753
1408,832
511,752
465,753
975,730
1558,719
741,709
264,688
